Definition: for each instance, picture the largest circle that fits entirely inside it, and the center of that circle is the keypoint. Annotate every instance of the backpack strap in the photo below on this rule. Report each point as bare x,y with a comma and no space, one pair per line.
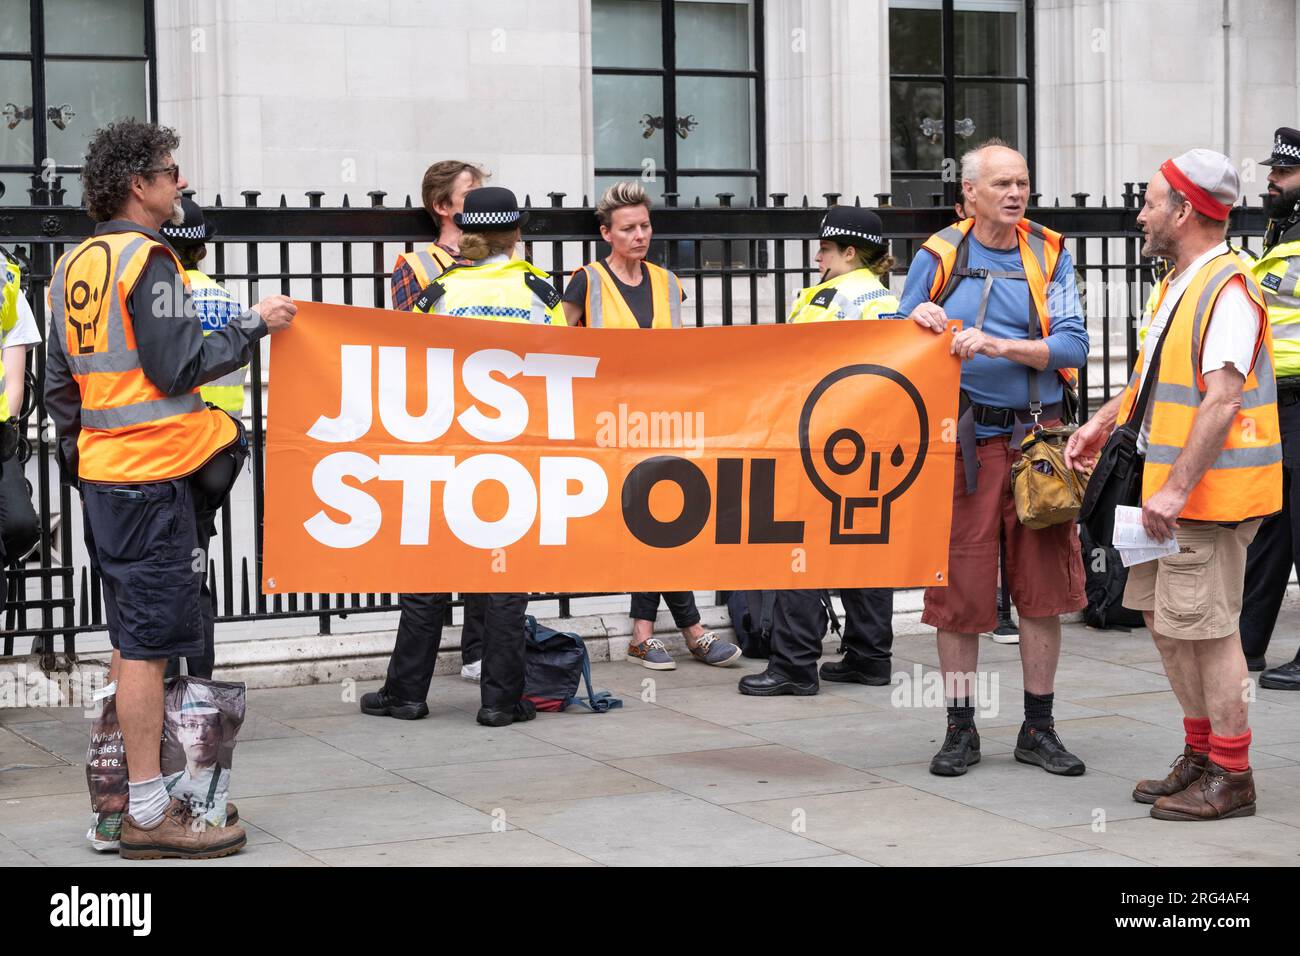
598,702
830,611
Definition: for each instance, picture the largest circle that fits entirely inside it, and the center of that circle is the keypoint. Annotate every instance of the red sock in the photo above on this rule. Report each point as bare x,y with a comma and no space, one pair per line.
1198,733
1231,753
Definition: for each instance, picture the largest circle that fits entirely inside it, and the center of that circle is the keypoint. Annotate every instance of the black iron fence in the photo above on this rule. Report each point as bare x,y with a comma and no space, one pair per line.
737,265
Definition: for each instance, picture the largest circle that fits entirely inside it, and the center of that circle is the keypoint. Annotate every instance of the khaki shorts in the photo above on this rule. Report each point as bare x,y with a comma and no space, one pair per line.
1196,593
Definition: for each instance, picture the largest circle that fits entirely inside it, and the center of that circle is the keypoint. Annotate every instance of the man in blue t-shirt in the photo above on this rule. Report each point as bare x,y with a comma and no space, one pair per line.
1006,355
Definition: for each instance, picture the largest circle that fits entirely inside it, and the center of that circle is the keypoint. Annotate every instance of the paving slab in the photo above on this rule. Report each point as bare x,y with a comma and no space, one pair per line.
324,819
749,773
728,707
834,860
662,829
17,752
1277,795
634,733
864,740
298,765
42,781
1127,748
510,784
1003,786
1270,722
627,677
11,854
447,735
1081,677
900,826
507,848
1244,841
1078,858
60,742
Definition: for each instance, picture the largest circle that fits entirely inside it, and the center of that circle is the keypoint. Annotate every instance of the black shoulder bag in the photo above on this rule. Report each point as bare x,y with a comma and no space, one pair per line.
1117,479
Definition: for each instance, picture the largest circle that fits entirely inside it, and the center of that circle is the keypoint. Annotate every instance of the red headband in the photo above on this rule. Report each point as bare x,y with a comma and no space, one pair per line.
1201,200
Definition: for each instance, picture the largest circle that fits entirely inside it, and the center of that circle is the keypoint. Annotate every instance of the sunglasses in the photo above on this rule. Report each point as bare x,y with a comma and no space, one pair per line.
173,170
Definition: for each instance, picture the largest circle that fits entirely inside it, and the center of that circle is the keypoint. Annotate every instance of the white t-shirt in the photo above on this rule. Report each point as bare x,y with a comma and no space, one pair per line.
1233,329
25,330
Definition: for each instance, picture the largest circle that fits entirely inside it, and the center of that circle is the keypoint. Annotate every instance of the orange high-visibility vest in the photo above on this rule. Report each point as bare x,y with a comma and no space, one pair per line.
606,307
1245,481
1040,247
131,431
427,263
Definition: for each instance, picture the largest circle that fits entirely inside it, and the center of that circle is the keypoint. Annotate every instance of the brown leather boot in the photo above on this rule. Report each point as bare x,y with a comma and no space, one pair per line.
178,835
1218,795
1187,770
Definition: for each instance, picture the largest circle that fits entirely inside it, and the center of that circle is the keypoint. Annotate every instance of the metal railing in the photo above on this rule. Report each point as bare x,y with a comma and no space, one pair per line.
737,265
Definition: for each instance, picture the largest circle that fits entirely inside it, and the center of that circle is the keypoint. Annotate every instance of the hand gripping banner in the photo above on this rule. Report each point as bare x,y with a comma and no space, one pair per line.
413,453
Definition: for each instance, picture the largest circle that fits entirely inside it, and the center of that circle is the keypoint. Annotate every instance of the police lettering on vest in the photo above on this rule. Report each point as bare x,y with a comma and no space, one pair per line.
606,307
215,308
1245,480
511,290
131,431
855,295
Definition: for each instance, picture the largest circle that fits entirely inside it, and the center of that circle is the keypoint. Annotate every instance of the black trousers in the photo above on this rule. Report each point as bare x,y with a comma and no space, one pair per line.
869,629
1276,548
424,614
799,625
645,607
419,635
19,526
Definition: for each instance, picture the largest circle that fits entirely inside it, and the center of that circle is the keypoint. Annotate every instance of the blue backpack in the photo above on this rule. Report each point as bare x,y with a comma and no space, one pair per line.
554,663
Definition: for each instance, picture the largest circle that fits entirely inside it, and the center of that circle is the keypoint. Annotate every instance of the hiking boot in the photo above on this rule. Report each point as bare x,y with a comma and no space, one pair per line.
1188,768
178,835
1043,748
523,710
380,703
960,750
710,650
1217,795
651,653
846,672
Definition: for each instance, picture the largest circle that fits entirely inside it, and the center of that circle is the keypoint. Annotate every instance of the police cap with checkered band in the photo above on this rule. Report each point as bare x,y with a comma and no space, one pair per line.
1286,148
853,226
490,209
194,230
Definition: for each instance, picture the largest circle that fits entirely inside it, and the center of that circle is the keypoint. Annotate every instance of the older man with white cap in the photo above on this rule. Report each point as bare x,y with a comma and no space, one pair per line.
1212,470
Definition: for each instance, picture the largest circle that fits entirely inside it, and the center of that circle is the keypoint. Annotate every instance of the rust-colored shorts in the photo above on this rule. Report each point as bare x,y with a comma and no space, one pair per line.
1044,567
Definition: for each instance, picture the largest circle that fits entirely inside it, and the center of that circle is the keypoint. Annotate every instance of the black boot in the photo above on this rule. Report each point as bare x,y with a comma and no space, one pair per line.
380,703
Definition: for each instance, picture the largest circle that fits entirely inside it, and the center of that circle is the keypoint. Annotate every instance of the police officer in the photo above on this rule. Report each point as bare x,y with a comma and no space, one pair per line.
124,363
19,527
442,190
1276,548
215,308
498,287
853,255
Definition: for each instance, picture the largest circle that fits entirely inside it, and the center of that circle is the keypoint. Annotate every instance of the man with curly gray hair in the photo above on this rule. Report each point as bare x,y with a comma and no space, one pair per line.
124,365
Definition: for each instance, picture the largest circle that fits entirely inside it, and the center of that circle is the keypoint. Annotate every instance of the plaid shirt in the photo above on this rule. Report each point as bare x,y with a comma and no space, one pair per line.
405,288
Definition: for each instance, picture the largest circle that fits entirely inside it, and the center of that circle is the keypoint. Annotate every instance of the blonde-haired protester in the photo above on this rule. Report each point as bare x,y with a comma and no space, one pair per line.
442,191
624,291
498,287
854,256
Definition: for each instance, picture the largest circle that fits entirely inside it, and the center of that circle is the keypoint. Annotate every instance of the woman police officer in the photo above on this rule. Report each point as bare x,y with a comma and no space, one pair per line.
853,255
498,287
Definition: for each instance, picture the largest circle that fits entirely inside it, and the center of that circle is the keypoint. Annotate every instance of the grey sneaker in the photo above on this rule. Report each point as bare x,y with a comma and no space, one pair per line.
710,650
652,654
